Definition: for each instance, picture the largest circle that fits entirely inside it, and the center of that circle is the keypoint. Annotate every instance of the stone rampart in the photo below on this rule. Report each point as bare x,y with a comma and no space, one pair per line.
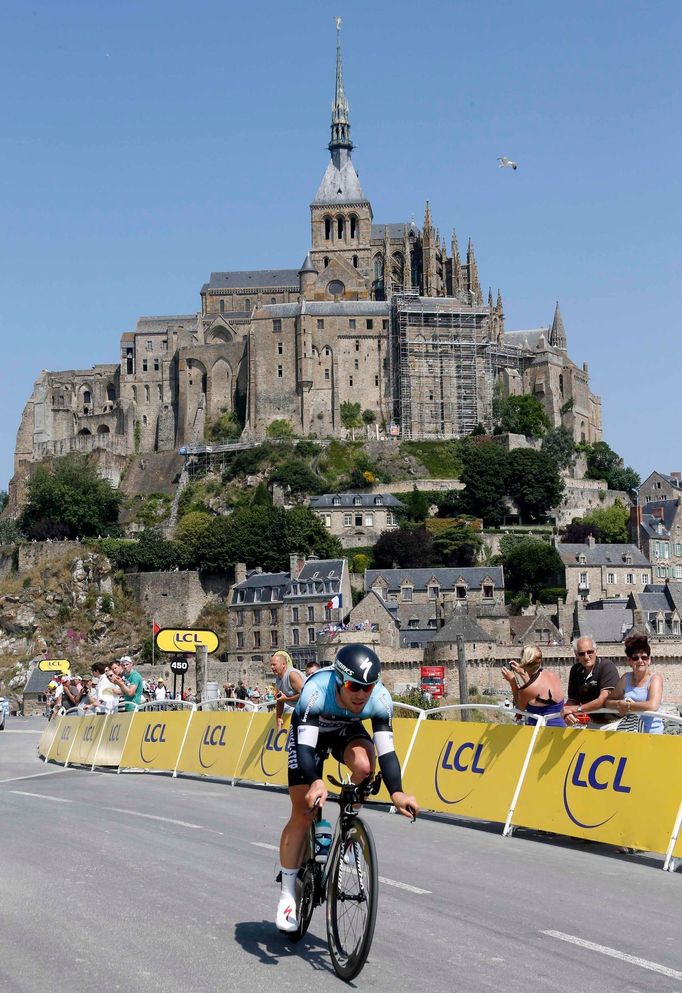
175,599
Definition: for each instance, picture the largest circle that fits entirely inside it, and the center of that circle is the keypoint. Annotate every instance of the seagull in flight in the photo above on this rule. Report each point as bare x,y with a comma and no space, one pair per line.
506,163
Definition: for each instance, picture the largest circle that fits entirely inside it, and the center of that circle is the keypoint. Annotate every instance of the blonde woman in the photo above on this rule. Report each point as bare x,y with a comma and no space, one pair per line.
534,689
641,689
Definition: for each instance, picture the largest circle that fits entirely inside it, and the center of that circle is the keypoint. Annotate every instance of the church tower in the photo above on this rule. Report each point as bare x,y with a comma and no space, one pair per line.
340,214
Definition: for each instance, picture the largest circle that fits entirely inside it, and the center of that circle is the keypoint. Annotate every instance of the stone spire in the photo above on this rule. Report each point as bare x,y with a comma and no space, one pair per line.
457,281
557,334
340,119
500,308
475,295
407,262
490,298
388,262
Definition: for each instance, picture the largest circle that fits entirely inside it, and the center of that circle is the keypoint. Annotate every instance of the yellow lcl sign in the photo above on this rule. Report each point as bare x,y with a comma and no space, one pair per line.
54,665
185,640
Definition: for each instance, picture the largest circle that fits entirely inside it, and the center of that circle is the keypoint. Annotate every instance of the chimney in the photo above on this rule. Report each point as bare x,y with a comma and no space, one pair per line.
296,563
657,512
239,572
590,540
677,476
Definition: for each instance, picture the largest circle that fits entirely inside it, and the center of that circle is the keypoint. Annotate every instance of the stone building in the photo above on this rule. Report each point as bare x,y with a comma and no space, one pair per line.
357,519
593,571
385,314
660,537
288,610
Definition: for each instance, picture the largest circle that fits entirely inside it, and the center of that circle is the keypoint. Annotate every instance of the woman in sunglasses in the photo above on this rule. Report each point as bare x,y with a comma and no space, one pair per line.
328,719
641,689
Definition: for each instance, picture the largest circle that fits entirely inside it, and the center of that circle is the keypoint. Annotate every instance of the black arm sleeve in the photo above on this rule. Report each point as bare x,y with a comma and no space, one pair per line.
307,763
390,770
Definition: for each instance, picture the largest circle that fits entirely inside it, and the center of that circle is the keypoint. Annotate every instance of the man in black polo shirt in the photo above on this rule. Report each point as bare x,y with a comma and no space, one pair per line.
589,683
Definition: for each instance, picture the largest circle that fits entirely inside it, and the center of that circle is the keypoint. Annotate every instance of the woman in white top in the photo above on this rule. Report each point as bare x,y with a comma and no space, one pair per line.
106,692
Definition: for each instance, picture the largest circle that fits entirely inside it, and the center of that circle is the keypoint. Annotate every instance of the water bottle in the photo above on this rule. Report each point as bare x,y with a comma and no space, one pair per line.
323,840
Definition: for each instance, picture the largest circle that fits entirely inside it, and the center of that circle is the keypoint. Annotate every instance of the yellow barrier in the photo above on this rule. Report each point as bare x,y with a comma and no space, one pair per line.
155,739
214,743
109,751
87,737
63,739
467,769
47,737
622,789
265,758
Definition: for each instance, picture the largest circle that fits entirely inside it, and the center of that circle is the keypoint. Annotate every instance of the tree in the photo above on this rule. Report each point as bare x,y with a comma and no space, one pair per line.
610,522
225,428
69,500
305,532
294,474
351,416
604,463
10,532
531,565
534,483
458,545
416,505
280,428
4,497
368,416
190,532
524,415
155,554
559,445
404,548
485,479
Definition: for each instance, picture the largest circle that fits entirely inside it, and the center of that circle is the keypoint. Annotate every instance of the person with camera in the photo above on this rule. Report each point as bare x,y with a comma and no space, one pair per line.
106,691
534,689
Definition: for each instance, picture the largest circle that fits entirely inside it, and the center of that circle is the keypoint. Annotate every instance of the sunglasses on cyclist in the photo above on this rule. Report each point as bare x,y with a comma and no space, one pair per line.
353,687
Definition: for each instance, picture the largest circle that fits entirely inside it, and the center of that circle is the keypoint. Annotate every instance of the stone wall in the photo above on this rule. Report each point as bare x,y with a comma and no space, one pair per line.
35,553
175,599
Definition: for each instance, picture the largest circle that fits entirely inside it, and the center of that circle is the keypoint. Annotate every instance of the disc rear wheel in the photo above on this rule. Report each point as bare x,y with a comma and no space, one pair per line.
352,898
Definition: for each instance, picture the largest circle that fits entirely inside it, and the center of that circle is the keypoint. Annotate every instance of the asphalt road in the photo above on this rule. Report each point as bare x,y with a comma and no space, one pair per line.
139,882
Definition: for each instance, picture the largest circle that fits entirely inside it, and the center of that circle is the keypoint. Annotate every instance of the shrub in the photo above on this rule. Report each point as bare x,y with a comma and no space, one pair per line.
279,428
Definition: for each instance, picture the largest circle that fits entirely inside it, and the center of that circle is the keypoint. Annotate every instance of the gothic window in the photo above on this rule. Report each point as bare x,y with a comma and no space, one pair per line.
378,268
353,231
336,288
356,260
87,396
222,306
247,304
146,394
339,227
135,393
327,350
397,268
327,229
561,385
160,390
111,393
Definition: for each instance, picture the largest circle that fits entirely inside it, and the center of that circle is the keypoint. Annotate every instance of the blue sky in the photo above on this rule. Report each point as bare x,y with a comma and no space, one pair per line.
146,144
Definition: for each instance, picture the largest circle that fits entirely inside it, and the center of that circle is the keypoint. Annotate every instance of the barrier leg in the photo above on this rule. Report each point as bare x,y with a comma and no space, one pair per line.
418,723
66,764
508,829
99,741
669,864
184,739
130,727
246,736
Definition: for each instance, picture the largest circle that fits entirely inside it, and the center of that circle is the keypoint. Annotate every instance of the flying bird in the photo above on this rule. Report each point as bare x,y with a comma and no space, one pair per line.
506,163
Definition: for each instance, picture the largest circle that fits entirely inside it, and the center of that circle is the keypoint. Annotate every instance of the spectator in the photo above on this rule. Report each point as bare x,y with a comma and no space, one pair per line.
161,693
106,692
310,668
540,692
289,683
241,694
641,689
50,699
590,681
129,681
72,692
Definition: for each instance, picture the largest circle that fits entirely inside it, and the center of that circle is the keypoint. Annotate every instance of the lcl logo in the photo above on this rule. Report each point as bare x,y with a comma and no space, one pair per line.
464,758
271,755
213,737
89,733
604,774
153,733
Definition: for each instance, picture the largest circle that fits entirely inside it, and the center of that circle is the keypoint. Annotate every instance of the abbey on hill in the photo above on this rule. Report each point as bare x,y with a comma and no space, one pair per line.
380,314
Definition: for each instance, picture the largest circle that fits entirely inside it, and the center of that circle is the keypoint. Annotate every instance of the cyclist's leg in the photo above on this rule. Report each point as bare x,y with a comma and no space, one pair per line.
359,756
294,833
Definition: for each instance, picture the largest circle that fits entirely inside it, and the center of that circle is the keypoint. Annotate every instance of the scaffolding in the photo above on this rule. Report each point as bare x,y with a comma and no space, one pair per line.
441,366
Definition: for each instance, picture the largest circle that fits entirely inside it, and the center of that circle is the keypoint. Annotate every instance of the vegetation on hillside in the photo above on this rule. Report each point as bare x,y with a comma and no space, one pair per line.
69,499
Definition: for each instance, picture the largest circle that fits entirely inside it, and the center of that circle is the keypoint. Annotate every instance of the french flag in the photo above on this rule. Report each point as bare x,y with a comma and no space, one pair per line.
335,602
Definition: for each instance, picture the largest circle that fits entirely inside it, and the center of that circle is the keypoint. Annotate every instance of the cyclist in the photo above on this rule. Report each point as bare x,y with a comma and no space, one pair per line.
328,718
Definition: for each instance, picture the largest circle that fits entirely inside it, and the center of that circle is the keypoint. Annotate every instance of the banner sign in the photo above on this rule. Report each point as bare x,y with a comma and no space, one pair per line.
63,739
88,734
186,640
109,751
623,789
54,665
214,743
155,739
47,737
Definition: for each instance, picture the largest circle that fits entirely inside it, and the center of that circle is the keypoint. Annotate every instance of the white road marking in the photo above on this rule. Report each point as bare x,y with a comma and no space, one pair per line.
166,820
382,879
20,731
34,775
41,796
614,953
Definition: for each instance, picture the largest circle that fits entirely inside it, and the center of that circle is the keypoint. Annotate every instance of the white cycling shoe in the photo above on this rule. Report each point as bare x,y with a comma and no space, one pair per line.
286,920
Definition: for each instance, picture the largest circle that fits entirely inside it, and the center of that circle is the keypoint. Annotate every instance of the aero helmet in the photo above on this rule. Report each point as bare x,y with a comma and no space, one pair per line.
357,663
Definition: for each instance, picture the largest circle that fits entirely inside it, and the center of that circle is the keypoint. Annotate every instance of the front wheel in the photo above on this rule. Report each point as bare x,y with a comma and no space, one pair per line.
352,898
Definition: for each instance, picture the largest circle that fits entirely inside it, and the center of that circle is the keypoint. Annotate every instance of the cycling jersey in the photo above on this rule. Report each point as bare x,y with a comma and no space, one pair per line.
319,719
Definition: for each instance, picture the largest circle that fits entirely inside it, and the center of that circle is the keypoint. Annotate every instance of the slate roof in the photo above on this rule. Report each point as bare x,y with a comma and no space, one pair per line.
608,625
340,185
601,554
460,623
253,279
328,308
447,578
650,522
525,339
38,681
318,578
396,232
350,500
321,569
162,322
